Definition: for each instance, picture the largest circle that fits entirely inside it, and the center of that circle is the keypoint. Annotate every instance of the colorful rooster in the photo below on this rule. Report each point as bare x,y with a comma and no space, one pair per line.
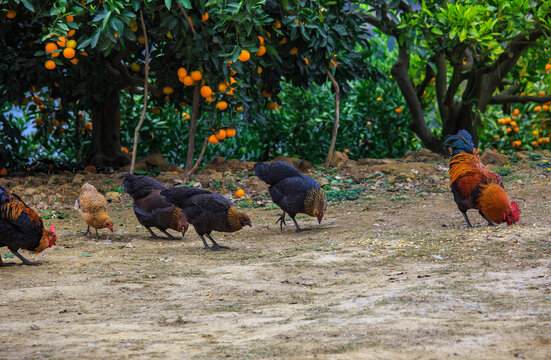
21,228
476,187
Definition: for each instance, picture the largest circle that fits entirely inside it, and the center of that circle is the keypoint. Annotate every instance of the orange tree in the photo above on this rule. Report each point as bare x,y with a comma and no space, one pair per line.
462,56
215,56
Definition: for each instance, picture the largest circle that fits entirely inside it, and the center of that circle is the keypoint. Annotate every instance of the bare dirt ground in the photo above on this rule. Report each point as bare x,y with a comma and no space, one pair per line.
392,274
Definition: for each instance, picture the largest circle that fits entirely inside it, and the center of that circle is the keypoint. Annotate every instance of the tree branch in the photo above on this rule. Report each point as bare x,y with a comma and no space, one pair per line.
199,159
187,17
429,74
145,87
505,99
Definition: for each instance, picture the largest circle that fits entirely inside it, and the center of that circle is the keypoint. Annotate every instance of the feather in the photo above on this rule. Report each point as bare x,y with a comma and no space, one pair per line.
461,142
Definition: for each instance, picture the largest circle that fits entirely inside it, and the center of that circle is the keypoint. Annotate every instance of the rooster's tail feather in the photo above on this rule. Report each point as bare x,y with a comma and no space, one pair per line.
461,142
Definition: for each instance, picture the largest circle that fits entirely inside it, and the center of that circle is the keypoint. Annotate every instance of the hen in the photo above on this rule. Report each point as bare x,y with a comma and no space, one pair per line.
292,191
21,228
151,209
92,206
207,212
475,187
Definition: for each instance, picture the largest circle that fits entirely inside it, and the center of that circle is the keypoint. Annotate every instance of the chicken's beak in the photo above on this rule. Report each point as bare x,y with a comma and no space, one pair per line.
111,228
249,223
319,219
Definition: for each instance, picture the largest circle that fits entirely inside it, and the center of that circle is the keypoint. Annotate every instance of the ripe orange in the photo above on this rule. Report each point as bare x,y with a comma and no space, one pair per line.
71,32
222,88
70,18
368,123
547,67
535,133
209,99
277,25
232,80
185,115
69,53
306,61
88,126
545,107
398,110
230,132
222,105
261,39
213,140
196,75
379,98
83,53
182,72
74,61
546,139
167,90
50,47
508,130
205,17
294,51
283,41
72,44
239,109
244,56
271,105
541,93
537,108
141,39
516,112
259,70
4,171
513,123
206,91
346,151
221,134
540,141
239,193
534,143
11,14
266,94
61,41
49,64
188,81
496,137
261,50
516,129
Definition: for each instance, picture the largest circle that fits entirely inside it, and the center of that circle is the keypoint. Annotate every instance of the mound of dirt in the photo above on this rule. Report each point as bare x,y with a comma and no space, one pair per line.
422,155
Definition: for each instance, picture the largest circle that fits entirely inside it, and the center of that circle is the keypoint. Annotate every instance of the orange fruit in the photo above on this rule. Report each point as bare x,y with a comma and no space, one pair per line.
266,94
50,47
49,64
240,193
70,18
541,93
196,75
182,72
209,99
537,108
283,41
334,63
74,61
545,107
261,50
346,151
213,140
368,123
205,17
4,171
513,123
259,70
240,108
244,56
294,51
125,150
496,137
306,61
69,53
535,133
88,126
222,105
135,67
540,141
71,32
516,129
83,53
167,90
222,88
72,44
516,112
271,105
547,67
230,132
221,134
534,143
185,115
206,91
188,81
61,41
141,39
261,39
508,130
546,139
232,80
277,25
11,14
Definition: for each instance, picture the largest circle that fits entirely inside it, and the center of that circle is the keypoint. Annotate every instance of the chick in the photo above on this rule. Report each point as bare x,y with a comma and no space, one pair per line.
92,207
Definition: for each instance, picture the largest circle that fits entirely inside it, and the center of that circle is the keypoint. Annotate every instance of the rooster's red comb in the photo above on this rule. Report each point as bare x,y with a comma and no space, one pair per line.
515,210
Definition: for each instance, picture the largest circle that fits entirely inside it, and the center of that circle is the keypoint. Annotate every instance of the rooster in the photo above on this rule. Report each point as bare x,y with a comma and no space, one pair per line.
292,191
151,209
207,212
21,228
92,206
475,187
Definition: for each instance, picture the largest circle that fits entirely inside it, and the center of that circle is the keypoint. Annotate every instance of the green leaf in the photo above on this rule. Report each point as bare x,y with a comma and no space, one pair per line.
28,5
185,3
95,38
168,4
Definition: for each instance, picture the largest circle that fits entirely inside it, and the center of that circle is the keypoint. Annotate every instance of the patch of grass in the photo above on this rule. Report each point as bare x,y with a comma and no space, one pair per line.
504,171
340,195
247,204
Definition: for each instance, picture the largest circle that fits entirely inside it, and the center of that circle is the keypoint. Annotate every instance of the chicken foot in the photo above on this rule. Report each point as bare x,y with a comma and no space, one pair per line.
466,218
281,220
215,246
296,224
5,264
25,261
155,236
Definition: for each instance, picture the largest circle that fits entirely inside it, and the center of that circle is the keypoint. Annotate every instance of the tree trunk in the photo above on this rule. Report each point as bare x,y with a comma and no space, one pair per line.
192,129
336,121
106,123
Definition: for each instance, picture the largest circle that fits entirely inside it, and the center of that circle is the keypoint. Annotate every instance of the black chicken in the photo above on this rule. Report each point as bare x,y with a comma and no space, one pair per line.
21,228
152,209
207,212
292,191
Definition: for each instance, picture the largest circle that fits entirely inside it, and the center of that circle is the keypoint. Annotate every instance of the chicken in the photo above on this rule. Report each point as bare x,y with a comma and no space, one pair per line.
207,212
21,228
152,209
92,207
292,191
475,187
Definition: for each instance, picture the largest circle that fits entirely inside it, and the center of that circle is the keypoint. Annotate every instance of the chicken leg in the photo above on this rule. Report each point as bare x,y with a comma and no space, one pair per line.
25,261
296,224
466,218
281,221
5,264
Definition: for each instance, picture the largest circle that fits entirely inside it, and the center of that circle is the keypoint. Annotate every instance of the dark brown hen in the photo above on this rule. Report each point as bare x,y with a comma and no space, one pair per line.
152,209
207,212
292,191
21,228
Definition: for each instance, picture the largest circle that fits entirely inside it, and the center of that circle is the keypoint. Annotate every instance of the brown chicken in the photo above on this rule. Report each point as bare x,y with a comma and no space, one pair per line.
92,207
21,228
151,209
207,212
